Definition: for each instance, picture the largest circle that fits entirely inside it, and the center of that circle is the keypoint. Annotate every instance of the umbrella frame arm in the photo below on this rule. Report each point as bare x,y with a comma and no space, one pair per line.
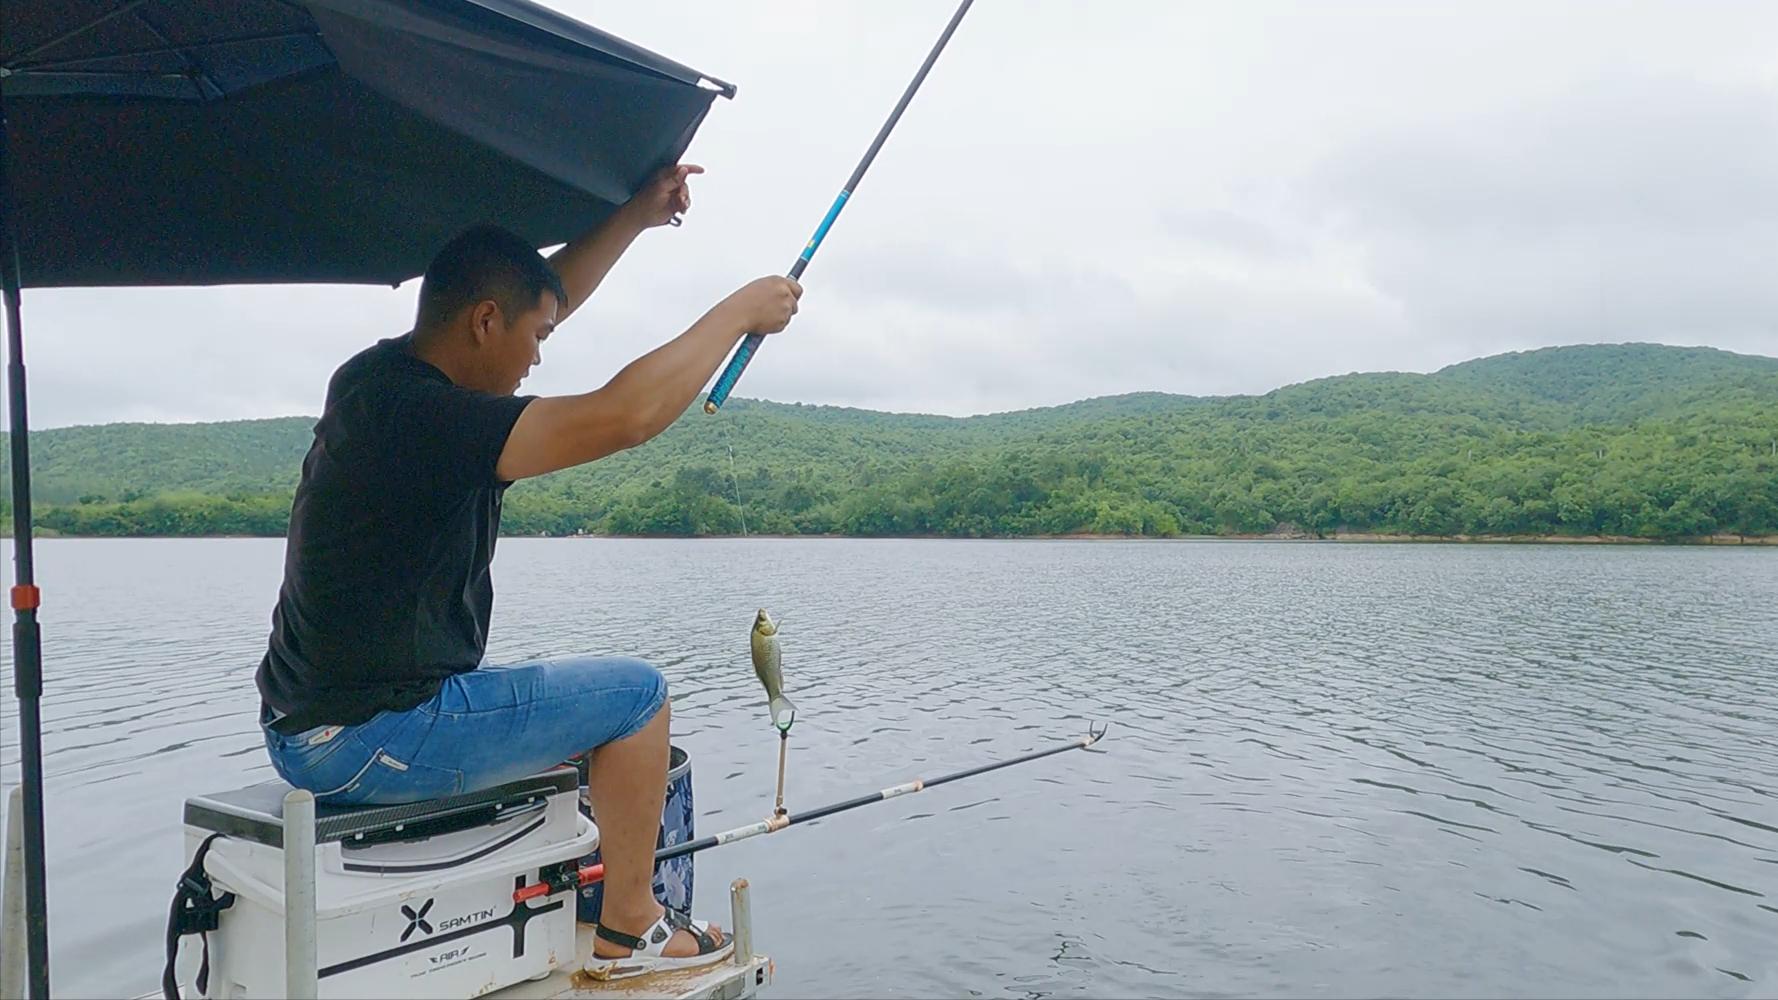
195,71
75,32
43,65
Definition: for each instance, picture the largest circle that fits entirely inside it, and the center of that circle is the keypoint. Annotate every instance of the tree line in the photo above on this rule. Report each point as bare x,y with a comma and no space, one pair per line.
1623,440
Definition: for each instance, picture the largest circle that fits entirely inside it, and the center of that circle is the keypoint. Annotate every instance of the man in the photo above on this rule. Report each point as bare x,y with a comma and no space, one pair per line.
373,685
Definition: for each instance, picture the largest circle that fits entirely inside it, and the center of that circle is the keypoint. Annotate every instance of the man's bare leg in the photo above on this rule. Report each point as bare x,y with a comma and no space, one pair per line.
627,782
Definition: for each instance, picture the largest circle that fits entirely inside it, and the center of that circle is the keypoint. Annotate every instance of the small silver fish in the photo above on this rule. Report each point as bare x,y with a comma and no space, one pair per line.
767,664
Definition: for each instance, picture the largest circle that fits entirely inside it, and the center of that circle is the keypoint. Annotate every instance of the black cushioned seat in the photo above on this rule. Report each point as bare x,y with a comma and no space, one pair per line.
256,812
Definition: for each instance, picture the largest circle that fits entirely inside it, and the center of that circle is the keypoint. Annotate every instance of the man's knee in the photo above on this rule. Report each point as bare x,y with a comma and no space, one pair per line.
634,670
662,712
652,705
650,677
665,712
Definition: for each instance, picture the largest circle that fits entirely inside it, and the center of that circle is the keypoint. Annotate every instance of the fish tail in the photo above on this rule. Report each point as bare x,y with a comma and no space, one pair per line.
783,712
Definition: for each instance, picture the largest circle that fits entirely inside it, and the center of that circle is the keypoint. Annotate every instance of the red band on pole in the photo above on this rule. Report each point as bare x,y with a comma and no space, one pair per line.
26,597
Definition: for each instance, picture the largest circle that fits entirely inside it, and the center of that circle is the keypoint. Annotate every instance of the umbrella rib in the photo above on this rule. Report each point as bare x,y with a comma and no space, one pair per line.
106,74
48,64
202,75
128,6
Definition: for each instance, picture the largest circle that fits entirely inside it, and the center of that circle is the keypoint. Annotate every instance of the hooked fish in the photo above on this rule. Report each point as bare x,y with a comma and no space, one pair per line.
767,664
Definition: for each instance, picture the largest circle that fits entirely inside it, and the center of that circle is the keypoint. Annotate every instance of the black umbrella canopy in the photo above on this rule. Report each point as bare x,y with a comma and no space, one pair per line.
155,142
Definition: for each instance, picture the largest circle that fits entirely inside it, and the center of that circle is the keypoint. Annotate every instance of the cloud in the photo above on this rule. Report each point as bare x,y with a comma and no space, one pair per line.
180,354
1634,209
1092,199
1231,232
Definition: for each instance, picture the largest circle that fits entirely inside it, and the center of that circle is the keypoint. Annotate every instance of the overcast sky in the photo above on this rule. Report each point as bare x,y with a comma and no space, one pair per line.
1105,197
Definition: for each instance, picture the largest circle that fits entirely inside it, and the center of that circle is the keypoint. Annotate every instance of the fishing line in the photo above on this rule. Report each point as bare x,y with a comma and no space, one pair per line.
740,506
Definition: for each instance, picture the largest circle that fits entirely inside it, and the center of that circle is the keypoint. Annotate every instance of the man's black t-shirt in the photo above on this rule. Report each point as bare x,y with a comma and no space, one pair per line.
386,587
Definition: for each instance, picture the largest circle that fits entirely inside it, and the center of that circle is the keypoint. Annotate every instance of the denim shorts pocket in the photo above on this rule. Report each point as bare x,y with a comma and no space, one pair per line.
311,749
387,780
329,771
349,785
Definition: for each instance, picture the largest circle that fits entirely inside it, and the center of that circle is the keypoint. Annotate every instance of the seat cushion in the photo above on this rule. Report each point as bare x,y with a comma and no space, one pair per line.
256,812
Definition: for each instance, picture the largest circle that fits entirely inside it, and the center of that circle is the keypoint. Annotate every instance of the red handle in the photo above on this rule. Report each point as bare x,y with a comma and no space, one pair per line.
588,875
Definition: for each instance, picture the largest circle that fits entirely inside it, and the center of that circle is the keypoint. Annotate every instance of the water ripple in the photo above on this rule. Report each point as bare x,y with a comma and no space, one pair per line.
1347,770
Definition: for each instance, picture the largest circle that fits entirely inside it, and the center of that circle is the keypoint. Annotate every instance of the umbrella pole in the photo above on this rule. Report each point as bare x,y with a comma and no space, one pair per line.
27,659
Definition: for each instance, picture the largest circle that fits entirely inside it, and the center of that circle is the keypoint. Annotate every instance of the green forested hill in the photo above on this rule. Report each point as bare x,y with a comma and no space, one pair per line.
1631,439
126,461
1619,384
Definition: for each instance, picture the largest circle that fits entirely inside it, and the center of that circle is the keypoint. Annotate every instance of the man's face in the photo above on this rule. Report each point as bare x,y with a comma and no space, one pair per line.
517,346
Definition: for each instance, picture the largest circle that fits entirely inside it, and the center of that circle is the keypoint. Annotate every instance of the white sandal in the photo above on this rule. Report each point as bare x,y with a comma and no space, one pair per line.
645,951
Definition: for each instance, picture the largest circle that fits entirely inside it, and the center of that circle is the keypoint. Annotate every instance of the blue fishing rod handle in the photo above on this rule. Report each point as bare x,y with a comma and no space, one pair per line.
730,375
744,354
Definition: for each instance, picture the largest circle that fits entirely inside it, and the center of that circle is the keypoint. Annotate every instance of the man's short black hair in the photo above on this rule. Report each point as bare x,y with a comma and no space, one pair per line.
486,262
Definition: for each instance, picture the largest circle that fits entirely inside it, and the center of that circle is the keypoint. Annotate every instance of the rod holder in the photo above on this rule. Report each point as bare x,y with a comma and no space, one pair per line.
12,911
783,749
741,917
301,972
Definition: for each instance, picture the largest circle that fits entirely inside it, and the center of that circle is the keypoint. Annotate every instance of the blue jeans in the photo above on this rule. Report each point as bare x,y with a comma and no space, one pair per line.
490,725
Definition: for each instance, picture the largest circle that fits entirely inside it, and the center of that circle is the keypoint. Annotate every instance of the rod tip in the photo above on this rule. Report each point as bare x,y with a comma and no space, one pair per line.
709,407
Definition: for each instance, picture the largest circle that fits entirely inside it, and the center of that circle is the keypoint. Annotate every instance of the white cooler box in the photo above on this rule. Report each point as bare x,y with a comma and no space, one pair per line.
410,900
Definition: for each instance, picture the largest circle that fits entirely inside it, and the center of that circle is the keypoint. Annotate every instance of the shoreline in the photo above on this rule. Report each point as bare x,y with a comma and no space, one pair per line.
1346,537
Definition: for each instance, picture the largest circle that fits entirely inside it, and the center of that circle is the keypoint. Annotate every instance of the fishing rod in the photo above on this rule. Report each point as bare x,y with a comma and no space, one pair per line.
744,353
571,877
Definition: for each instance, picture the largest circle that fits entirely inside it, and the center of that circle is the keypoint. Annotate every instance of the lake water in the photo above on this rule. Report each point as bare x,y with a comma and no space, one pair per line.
1334,770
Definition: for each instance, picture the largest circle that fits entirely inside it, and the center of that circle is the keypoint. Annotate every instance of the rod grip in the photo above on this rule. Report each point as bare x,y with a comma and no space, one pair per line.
732,374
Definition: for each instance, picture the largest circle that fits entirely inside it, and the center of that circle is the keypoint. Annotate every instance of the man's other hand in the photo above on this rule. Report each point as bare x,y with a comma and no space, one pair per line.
667,194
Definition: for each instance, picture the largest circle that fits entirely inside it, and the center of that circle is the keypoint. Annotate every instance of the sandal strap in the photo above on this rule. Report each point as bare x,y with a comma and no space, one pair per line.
619,937
653,941
699,929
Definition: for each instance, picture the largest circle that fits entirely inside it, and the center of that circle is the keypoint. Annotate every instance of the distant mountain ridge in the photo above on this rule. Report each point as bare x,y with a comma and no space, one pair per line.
1631,439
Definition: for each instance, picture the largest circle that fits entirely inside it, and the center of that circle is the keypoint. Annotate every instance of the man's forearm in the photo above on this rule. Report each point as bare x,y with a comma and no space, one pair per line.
585,262
650,393
557,432
658,386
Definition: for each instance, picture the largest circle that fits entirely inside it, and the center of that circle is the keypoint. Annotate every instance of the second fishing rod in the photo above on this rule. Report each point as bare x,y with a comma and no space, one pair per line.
569,876
737,363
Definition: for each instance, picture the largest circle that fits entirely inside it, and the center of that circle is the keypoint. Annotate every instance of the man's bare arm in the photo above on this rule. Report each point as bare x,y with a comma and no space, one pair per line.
643,399
584,262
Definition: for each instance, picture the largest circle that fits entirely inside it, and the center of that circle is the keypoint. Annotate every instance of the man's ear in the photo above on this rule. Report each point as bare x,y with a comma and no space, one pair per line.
483,318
